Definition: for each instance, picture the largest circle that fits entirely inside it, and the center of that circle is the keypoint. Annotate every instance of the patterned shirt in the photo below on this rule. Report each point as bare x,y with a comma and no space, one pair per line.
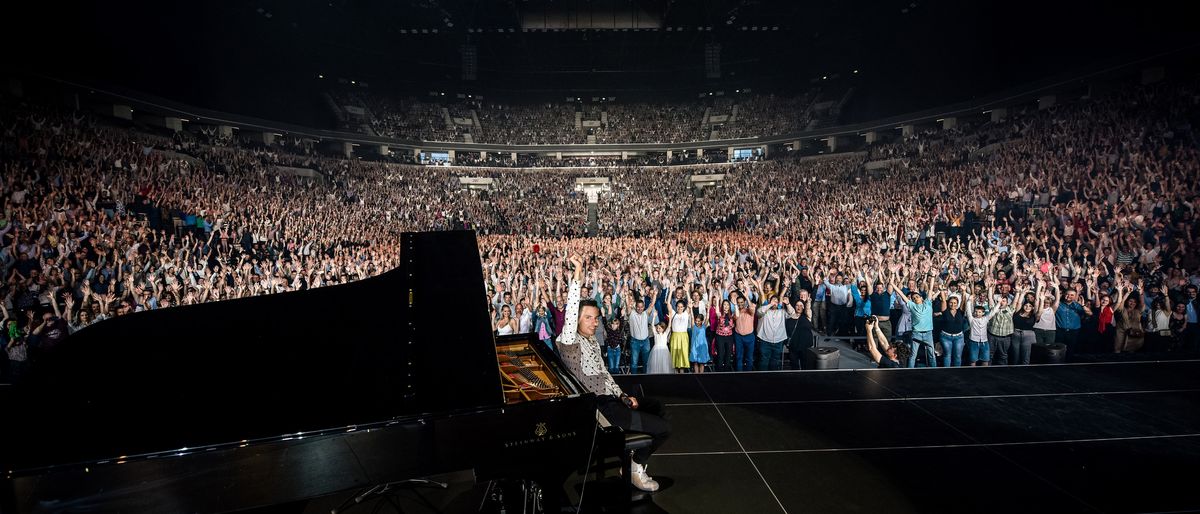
581,354
1002,322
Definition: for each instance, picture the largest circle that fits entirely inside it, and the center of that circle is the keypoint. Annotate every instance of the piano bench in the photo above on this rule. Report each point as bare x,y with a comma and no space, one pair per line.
621,444
635,441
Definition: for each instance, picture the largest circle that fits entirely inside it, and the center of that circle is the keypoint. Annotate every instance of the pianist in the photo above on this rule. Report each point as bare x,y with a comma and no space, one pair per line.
581,354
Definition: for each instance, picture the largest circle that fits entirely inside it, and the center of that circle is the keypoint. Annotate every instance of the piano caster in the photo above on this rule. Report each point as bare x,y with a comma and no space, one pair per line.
388,492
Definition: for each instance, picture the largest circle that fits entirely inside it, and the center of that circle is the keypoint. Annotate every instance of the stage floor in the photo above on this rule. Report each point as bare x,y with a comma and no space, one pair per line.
1101,437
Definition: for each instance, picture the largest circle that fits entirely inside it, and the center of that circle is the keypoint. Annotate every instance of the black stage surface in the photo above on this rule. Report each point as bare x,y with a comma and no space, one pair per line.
1099,437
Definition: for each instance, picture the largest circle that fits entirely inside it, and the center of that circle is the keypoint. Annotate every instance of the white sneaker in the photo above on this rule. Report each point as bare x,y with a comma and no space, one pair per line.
640,479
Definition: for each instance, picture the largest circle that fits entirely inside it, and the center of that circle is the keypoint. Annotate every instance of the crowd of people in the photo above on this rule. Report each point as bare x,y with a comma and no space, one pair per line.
1079,228
571,122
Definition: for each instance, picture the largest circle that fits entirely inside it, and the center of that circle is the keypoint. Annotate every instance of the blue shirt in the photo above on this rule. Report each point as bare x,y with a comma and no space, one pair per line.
861,308
880,304
819,296
922,316
1067,316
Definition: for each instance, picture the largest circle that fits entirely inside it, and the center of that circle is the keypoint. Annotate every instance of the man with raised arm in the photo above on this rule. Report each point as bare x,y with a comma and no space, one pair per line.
581,354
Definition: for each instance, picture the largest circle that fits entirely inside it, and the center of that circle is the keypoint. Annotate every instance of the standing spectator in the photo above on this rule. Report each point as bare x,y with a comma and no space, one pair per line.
700,353
641,322
1130,335
743,329
1045,328
660,355
954,323
726,347
614,341
772,332
979,347
1191,335
802,328
1068,321
922,326
681,322
543,326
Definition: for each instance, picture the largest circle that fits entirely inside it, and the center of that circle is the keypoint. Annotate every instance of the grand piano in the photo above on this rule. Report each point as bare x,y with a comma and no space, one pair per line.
262,401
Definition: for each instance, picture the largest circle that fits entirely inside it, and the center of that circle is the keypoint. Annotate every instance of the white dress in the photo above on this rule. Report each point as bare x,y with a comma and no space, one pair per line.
660,355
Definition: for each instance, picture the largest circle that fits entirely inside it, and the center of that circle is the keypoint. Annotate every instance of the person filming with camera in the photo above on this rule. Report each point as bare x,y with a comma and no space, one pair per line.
893,352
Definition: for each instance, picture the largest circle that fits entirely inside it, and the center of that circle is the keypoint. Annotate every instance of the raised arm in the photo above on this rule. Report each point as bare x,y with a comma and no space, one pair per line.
571,315
1019,300
872,341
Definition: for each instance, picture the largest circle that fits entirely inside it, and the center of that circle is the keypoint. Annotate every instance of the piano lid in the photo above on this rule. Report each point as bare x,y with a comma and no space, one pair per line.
409,342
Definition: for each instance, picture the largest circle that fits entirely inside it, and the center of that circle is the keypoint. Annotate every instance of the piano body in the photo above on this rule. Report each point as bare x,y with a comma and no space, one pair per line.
261,401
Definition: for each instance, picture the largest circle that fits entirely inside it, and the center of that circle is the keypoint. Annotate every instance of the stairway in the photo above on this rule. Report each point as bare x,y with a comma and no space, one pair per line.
593,225
475,118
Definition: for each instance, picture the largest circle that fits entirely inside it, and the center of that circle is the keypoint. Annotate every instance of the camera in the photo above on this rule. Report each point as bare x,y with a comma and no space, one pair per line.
872,318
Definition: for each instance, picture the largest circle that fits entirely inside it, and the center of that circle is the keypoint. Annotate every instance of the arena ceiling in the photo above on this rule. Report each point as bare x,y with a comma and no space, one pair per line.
262,54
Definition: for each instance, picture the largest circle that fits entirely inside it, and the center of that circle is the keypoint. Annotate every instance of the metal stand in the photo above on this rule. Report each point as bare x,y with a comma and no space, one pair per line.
388,492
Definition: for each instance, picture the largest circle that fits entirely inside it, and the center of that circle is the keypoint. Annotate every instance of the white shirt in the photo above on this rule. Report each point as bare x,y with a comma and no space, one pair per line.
979,325
680,322
839,294
525,323
1046,320
772,329
582,355
639,324
661,338
1161,320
